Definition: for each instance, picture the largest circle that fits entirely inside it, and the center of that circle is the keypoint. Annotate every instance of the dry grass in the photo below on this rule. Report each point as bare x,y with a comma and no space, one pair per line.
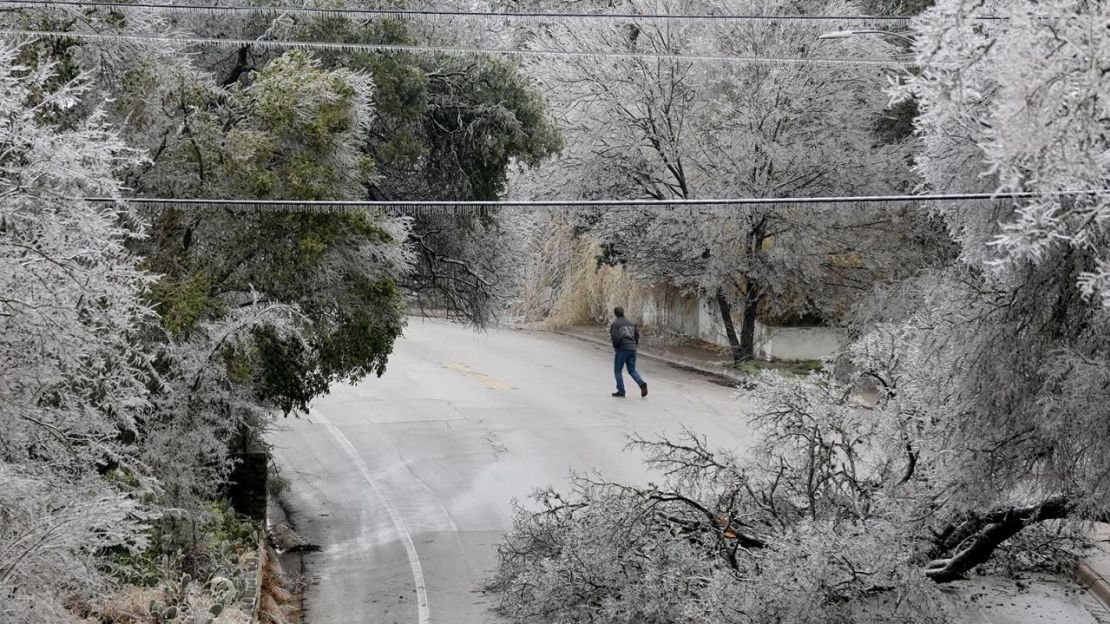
567,286
589,292
279,597
131,605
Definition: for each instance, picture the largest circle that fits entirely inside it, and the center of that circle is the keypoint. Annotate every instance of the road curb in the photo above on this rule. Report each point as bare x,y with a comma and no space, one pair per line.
1094,583
716,371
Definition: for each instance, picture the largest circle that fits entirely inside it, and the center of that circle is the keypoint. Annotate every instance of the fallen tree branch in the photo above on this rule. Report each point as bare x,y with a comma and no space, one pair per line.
979,536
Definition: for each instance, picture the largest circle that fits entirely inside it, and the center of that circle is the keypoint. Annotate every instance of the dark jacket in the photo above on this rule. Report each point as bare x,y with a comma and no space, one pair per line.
624,334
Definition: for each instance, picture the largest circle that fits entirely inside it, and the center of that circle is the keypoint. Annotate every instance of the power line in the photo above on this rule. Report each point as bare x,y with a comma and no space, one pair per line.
424,13
429,206
382,47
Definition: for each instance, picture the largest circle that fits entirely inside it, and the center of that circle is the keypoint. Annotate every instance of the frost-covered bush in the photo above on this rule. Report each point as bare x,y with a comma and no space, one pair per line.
1001,359
809,528
984,422
72,374
678,130
1015,98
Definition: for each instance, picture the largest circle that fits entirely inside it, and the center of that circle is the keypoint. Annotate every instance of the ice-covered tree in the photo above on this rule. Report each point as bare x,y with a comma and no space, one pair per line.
1001,359
665,129
985,378
73,373
260,310
444,127
1017,102
294,132
449,128
263,310
807,527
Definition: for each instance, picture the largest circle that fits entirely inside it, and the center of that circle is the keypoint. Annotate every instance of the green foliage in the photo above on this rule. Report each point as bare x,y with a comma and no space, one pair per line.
177,593
286,371
294,132
59,51
352,321
788,368
459,122
896,122
295,245
913,7
445,126
895,7
362,336
124,477
237,362
297,134
226,527
219,541
346,341
279,89
351,316
401,101
182,301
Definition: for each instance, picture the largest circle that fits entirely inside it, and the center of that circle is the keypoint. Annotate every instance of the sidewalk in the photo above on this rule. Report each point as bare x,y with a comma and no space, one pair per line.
991,600
701,357
1094,572
1034,599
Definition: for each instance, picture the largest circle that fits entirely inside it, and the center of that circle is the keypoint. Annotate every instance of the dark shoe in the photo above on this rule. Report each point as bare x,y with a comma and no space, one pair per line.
643,389
618,394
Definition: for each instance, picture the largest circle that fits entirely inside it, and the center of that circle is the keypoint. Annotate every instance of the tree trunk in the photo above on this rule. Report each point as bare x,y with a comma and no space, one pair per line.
241,66
747,329
980,536
739,355
751,292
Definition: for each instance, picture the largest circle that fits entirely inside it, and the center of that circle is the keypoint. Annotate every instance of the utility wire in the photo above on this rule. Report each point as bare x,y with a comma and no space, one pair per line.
429,206
423,13
382,47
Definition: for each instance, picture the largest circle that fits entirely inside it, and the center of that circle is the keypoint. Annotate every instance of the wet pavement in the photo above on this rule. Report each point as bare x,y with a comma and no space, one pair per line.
406,482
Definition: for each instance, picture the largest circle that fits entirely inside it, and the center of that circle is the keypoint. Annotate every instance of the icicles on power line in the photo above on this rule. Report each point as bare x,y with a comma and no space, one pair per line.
490,17
486,27
418,207
19,35
397,208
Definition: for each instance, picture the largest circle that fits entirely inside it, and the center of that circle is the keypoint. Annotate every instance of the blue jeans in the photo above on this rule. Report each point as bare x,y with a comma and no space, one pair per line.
622,359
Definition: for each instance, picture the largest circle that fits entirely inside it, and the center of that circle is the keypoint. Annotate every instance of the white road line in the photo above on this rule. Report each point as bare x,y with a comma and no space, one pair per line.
422,616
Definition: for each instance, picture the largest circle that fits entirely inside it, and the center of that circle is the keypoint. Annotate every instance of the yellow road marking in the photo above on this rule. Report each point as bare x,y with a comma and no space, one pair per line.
486,380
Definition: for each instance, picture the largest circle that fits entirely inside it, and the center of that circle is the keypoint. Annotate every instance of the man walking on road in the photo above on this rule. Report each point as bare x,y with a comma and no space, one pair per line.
625,336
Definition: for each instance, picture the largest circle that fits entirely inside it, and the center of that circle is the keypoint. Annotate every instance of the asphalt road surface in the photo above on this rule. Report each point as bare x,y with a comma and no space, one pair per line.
406,482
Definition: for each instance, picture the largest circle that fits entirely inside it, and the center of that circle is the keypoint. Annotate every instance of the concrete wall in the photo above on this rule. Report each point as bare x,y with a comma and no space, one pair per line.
667,308
247,485
589,293
710,324
797,343
771,343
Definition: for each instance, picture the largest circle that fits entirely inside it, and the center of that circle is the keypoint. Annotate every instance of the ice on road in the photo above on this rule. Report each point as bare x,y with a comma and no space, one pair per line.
406,482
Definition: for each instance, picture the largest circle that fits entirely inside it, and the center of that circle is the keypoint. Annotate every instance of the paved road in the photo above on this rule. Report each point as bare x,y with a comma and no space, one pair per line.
406,481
